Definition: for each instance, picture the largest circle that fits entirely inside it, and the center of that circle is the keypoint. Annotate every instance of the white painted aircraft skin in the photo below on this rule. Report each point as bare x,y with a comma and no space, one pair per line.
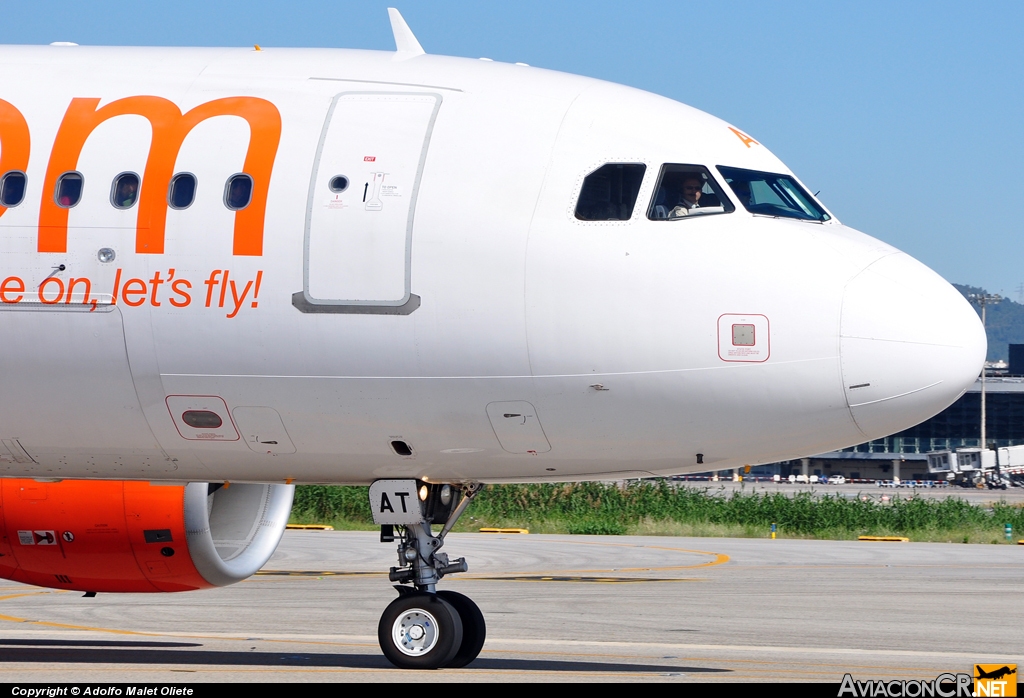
523,309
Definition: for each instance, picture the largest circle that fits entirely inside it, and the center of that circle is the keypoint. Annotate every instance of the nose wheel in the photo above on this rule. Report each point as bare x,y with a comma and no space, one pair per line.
420,631
474,629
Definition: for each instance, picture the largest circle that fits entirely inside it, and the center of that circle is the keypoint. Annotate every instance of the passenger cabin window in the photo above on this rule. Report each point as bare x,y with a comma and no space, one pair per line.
12,189
69,189
609,193
685,191
770,194
238,192
182,191
125,190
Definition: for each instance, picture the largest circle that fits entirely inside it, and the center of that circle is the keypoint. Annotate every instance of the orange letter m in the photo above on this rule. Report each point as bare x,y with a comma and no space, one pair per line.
170,127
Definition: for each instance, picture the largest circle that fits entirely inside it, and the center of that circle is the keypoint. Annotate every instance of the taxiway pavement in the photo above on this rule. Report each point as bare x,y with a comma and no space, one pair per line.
558,608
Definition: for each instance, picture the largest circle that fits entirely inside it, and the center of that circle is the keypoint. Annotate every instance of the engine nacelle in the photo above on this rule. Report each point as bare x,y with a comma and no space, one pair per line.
114,536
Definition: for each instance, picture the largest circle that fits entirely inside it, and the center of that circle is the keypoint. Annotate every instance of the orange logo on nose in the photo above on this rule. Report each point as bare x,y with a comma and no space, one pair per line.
747,140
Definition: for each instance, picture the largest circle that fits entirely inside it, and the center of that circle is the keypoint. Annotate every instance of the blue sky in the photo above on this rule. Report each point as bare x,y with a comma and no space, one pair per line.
908,116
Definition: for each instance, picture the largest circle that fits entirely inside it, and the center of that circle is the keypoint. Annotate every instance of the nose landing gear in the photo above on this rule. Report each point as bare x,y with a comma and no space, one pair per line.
424,628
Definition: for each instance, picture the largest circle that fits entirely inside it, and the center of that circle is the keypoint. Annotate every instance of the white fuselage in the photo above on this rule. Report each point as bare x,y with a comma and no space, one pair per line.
471,324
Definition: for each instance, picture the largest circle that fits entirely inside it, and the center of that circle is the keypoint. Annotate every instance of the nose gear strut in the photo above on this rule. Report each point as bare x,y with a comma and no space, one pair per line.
419,558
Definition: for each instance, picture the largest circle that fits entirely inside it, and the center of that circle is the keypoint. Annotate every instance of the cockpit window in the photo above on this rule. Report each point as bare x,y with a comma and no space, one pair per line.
609,192
771,194
687,190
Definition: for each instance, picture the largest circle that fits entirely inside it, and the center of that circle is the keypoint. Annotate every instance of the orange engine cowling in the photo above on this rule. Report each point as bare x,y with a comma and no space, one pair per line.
113,536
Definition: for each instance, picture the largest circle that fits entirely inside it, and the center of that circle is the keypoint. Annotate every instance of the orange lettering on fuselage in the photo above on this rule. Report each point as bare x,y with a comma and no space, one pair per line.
170,127
14,141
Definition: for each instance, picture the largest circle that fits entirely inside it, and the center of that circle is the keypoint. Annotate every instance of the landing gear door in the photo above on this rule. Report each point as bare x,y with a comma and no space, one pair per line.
362,201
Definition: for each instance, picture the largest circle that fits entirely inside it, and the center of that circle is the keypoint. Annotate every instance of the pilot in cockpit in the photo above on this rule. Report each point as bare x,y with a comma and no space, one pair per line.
742,190
690,196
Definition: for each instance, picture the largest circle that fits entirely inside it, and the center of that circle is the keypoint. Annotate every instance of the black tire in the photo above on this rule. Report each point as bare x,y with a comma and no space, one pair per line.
419,631
474,629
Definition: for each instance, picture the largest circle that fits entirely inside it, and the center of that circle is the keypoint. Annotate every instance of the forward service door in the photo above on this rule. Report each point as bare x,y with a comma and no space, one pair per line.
362,202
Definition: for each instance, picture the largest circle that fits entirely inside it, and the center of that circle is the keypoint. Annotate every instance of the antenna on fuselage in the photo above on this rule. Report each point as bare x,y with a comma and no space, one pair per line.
405,40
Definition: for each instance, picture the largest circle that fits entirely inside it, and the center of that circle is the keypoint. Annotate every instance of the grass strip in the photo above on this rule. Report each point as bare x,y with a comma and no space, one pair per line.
660,507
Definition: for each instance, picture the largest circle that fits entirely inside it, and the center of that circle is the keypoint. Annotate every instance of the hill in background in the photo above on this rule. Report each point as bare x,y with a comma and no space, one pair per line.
1004,324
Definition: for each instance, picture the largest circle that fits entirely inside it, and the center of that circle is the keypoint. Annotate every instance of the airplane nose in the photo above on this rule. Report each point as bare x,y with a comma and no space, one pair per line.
910,344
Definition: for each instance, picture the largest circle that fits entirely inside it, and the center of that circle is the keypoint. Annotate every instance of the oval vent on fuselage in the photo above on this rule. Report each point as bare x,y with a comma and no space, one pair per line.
202,419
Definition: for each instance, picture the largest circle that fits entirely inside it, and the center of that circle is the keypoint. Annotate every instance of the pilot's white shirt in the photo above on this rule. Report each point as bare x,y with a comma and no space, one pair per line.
682,209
